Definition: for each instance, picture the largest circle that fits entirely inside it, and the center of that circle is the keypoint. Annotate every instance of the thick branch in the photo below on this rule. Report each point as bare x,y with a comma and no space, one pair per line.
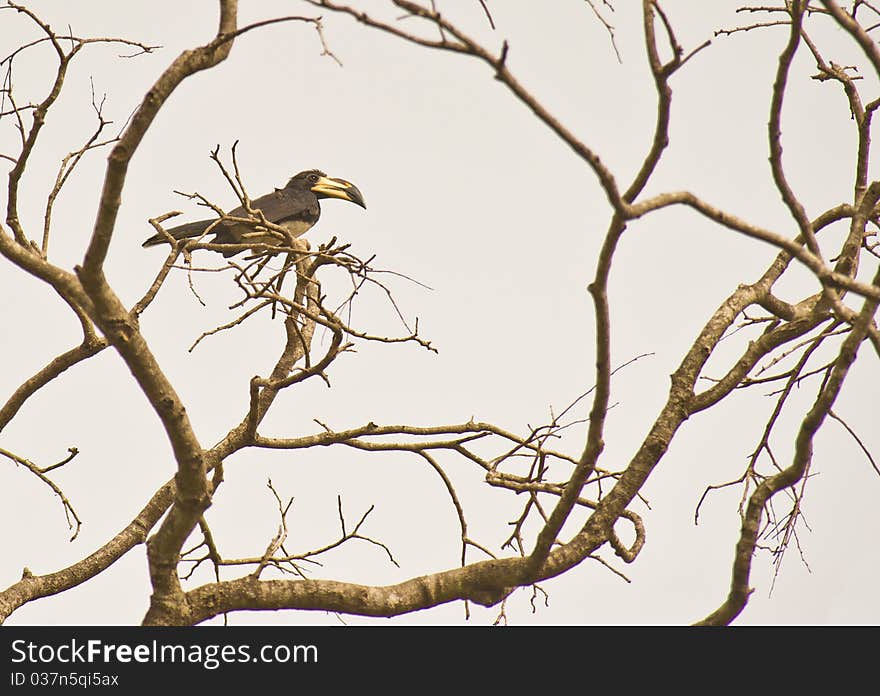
803,454
187,63
32,587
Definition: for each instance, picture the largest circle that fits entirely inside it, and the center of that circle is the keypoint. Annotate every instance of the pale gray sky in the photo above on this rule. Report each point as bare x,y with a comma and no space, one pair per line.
469,194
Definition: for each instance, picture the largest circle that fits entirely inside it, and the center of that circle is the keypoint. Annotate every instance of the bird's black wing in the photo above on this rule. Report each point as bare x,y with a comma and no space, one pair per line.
283,205
293,208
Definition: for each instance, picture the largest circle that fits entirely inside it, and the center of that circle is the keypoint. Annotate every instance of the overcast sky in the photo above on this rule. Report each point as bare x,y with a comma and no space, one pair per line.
470,195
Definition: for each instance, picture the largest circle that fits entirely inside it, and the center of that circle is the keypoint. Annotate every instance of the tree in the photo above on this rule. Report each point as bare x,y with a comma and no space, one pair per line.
574,486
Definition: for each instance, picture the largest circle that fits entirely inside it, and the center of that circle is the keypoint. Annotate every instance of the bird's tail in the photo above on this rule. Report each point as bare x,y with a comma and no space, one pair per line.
187,231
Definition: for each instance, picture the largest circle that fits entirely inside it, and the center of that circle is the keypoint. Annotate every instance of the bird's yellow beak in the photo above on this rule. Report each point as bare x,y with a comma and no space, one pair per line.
330,187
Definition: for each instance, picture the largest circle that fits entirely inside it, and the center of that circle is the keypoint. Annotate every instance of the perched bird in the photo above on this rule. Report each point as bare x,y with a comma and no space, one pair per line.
294,207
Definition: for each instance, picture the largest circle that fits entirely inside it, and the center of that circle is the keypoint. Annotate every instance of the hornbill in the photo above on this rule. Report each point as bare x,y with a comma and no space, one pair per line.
295,207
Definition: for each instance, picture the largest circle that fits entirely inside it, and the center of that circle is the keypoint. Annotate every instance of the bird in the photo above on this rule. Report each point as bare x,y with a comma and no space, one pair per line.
295,207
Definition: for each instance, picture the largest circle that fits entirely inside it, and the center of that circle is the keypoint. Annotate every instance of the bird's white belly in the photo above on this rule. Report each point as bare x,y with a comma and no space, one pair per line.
296,227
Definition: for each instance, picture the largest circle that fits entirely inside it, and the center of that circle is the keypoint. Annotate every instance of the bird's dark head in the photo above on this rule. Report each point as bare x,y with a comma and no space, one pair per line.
324,186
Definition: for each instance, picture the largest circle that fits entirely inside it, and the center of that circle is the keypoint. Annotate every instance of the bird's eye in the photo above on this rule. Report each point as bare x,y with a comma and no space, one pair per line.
313,178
